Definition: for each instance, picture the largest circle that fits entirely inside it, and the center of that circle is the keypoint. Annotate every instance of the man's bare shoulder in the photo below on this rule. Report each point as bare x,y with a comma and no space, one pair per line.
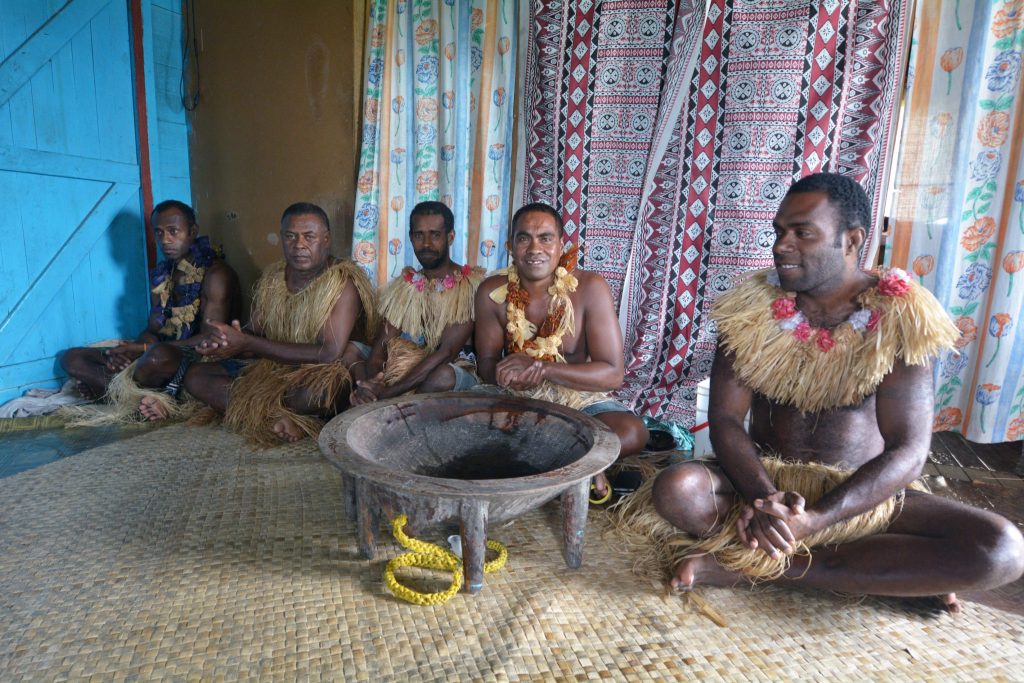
220,274
593,287
490,284
220,268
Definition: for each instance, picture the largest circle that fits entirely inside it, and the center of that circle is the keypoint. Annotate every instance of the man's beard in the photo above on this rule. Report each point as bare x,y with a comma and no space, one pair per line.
430,260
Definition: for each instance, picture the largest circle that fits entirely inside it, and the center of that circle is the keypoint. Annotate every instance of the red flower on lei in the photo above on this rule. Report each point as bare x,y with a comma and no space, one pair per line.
876,315
824,340
895,283
420,282
803,331
783,308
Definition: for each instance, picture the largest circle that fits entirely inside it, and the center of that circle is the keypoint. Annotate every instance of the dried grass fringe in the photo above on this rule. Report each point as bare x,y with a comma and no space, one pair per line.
660,547
913,327
403,356
556,393
426,314
123,398
300,317
257,397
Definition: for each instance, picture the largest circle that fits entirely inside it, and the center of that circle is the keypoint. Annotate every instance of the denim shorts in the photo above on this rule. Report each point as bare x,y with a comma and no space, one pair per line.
364,349
235,366
464,379
609,405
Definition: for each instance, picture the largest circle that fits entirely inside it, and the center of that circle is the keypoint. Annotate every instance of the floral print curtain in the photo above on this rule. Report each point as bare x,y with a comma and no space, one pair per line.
959,218
437,125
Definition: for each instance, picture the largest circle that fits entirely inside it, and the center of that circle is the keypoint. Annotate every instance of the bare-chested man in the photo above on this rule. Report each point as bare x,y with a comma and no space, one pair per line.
191,286
566,346
427,316
834,404
286,368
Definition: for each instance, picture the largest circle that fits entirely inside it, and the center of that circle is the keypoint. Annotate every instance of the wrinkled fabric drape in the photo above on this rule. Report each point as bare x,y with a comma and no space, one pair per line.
667,133
960,211
437,125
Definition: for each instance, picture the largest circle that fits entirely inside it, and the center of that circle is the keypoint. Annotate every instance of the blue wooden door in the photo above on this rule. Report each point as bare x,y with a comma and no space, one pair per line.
72,247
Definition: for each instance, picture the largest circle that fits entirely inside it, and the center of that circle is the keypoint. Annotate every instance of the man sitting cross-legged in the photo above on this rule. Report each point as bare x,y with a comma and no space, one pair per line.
833,363
545,330
191,285
427,315
305,310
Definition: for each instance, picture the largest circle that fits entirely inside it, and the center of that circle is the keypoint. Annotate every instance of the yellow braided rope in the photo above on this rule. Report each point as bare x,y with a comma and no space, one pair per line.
431,556
603,499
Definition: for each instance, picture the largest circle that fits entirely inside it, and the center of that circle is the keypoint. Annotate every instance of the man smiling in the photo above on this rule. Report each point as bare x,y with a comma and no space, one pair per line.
545,330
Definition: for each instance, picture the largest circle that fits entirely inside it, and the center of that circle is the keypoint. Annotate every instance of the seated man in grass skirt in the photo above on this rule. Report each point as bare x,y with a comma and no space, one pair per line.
834,365
548,331
427,318
190,286
287,369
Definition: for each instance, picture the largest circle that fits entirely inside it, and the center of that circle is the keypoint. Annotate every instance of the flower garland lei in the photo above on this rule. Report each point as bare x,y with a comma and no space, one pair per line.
421,282
545,343
895,282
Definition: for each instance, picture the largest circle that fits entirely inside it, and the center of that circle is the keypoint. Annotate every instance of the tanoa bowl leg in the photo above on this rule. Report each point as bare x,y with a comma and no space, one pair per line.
367,519
575,501
474,543
348,496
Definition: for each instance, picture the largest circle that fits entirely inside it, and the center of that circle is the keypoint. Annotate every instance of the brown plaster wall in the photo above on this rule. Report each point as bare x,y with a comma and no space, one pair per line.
277,121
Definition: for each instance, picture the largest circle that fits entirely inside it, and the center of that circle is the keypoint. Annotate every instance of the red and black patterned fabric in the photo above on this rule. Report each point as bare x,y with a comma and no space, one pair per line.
669,164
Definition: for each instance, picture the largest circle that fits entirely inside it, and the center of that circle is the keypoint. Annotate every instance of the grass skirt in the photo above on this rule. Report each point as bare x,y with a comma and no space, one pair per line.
257,397
123,399
661,547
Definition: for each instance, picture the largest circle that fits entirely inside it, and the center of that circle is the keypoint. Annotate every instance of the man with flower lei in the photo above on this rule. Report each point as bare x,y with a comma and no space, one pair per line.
278,377
191,286
546,330
833,364
427,316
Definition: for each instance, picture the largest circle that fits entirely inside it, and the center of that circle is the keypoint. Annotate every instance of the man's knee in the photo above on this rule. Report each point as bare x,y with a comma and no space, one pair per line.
441,378
681,495
630,429
74,360
635,436
999,550
157,366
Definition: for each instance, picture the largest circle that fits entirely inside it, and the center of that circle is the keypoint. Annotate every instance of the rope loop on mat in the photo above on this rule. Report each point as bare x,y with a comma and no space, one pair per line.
430,556
603,499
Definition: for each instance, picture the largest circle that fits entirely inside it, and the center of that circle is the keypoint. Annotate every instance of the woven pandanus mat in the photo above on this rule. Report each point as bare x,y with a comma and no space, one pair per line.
183,554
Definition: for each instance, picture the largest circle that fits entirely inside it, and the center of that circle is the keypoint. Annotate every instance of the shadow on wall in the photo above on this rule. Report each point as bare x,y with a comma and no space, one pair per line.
126,245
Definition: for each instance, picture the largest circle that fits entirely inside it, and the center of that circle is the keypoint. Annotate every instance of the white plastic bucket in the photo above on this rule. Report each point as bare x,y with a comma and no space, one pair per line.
700,431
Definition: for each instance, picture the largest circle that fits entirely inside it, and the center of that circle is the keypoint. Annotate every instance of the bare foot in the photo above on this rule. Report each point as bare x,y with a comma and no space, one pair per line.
152,409
287,430
950,602
599,487
85,391
703,570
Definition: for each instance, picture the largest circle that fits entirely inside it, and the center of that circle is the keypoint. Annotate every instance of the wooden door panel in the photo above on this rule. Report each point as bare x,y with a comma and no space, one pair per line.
69,178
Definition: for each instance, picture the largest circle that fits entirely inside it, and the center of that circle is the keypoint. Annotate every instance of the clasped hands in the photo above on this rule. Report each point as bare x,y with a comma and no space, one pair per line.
519,371
776,523
119,357
222,341
368,390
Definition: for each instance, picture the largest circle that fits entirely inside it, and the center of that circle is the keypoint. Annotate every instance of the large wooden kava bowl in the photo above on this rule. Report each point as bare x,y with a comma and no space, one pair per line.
474,458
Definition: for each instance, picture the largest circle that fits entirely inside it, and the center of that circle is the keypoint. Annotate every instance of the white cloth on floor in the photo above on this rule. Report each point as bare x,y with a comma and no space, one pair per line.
42,401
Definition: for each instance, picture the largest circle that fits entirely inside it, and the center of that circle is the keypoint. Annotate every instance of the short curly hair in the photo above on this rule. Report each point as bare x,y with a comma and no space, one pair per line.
847,197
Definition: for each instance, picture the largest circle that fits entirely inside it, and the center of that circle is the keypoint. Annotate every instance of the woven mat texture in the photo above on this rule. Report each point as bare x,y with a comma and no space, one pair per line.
182,554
